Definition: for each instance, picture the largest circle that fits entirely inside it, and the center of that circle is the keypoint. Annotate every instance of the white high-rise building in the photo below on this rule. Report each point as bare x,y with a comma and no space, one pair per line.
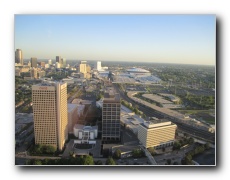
98,65
64,62
57,65
50,113
50,61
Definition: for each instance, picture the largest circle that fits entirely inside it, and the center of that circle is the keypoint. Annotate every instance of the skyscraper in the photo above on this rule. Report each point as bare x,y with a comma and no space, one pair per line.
111,110
50,113
64,62
82,67
34,73
18,56
98,65
33,62
58,59
50,62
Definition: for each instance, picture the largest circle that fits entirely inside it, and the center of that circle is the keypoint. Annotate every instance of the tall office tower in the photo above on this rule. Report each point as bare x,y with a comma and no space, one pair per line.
29,64
18,56
50,113
58,59
98,65
33,62
57,65
82,67
64,62
111,113
50,62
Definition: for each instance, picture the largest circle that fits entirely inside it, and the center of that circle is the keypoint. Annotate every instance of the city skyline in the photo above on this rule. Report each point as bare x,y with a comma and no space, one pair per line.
183,39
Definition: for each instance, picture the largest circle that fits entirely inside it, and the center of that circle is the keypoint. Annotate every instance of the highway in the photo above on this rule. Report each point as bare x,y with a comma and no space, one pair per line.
194,132
71,98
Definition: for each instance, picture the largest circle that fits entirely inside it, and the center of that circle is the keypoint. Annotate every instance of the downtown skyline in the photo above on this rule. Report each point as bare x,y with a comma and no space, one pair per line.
180,39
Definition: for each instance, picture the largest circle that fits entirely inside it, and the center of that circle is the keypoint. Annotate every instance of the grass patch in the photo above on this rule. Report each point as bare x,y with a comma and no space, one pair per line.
193,111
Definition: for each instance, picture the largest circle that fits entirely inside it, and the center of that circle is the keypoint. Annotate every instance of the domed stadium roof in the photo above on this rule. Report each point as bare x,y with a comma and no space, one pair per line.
137,70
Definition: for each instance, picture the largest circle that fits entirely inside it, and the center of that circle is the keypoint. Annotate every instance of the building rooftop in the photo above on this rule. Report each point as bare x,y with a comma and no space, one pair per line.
110,95
49,83
156,123
71,107
138,70
81,101
85,128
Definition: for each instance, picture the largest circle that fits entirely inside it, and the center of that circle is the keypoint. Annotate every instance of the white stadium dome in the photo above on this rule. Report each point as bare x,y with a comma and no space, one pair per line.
137,70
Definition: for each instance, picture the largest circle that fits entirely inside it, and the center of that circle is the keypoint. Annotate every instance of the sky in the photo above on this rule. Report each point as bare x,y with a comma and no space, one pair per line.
183,39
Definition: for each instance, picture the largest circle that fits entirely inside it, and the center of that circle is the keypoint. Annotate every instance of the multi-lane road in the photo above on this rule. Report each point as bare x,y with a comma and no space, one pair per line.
192,131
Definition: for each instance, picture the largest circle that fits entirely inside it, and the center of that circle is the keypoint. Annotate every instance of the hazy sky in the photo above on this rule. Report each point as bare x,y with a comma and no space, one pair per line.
187,39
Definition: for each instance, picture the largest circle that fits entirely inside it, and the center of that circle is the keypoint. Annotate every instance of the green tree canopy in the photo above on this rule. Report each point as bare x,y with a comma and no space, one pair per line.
88,160
137,153
98,162
152,151
110,161
117,154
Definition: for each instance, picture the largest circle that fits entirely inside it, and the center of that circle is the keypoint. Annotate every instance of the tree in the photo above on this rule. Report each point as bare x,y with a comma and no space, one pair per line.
190,140
29,162
175,163
98,162
37,149
176,145
152,151
137,153
117,154
207,146
88,160
71,153
187,160
37,162
168,161
49,149
110,161
185,134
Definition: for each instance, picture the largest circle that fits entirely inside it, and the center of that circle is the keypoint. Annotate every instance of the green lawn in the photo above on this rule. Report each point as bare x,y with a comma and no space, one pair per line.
204,114
193,111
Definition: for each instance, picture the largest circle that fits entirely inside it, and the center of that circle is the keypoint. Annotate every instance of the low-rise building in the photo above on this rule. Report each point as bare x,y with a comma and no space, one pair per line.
85,134
81,101
41,73
160,133
17,72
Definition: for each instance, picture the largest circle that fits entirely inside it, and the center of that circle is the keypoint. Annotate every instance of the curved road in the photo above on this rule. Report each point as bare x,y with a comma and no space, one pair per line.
183,127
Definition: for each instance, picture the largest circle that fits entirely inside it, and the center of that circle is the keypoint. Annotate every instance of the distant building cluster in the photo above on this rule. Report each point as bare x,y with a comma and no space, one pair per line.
55,118
60,62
